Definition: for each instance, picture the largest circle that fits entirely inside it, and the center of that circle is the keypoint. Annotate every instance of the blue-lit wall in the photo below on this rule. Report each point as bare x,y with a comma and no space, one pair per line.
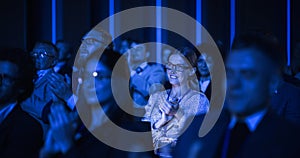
26,21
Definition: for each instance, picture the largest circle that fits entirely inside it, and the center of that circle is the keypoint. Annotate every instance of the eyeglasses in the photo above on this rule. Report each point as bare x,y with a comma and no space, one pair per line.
42,54
7,80
178,68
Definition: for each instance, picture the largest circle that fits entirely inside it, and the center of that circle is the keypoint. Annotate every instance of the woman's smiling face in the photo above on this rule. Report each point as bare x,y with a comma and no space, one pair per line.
178,69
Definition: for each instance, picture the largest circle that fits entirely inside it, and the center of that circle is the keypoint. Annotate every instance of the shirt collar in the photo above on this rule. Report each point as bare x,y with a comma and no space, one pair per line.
252,121
143,66
204,85
6,110
41,73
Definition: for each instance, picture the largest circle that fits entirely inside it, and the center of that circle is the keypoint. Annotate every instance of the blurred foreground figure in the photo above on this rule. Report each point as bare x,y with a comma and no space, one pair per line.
20,134
247,127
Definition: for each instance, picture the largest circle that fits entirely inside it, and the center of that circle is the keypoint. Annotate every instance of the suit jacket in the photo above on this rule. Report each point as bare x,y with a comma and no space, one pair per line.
273,137
286,102
41,96
141,83
20,135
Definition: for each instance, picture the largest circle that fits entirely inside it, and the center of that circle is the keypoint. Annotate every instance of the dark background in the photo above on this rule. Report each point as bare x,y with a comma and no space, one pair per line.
23,22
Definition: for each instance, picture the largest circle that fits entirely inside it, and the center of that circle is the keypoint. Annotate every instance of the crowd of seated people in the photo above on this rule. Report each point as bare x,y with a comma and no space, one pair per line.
50,108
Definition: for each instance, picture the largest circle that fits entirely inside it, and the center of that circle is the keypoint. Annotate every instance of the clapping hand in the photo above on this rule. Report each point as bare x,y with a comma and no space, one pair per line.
60,87
63,126
169,107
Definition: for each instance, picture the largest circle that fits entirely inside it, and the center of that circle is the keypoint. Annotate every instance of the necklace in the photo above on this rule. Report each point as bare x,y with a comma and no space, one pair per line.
174,101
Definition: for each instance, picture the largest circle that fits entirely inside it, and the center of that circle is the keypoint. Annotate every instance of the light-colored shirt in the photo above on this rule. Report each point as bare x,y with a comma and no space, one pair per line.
6,110
143,65
58,66
204,85
71,102
251,121
41,74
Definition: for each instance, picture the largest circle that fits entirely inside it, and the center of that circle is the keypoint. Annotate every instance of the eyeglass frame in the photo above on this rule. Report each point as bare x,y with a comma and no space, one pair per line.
41,54
181,66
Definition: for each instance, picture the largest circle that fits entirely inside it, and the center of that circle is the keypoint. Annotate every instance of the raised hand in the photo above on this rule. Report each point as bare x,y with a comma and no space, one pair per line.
60,87
63,126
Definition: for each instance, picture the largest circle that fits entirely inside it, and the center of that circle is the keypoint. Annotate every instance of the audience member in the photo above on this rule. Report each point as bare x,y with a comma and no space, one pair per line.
67,136
64,64
250,128
123,46
146,78
204,65
94,41
45,57
20,134
169,110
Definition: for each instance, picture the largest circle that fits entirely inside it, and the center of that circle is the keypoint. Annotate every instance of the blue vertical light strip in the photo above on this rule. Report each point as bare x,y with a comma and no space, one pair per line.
232,21
288,32
199,19
25,16
112,22
53,21
158,30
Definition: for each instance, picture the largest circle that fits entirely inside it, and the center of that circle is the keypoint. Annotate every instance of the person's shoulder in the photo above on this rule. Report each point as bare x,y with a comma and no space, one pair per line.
273,120
155,66
23,119
198,93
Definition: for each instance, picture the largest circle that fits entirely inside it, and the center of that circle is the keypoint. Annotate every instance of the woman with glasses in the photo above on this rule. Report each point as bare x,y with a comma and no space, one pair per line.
170,110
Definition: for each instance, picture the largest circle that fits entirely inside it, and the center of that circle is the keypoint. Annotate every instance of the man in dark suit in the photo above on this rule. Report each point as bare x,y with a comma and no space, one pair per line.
204,65
20,134
247,127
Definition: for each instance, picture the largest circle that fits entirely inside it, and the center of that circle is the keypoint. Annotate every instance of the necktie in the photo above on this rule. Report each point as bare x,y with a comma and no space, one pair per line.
237,137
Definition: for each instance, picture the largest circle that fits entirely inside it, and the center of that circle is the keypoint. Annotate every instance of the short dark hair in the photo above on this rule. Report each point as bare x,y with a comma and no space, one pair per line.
265,42
26,69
